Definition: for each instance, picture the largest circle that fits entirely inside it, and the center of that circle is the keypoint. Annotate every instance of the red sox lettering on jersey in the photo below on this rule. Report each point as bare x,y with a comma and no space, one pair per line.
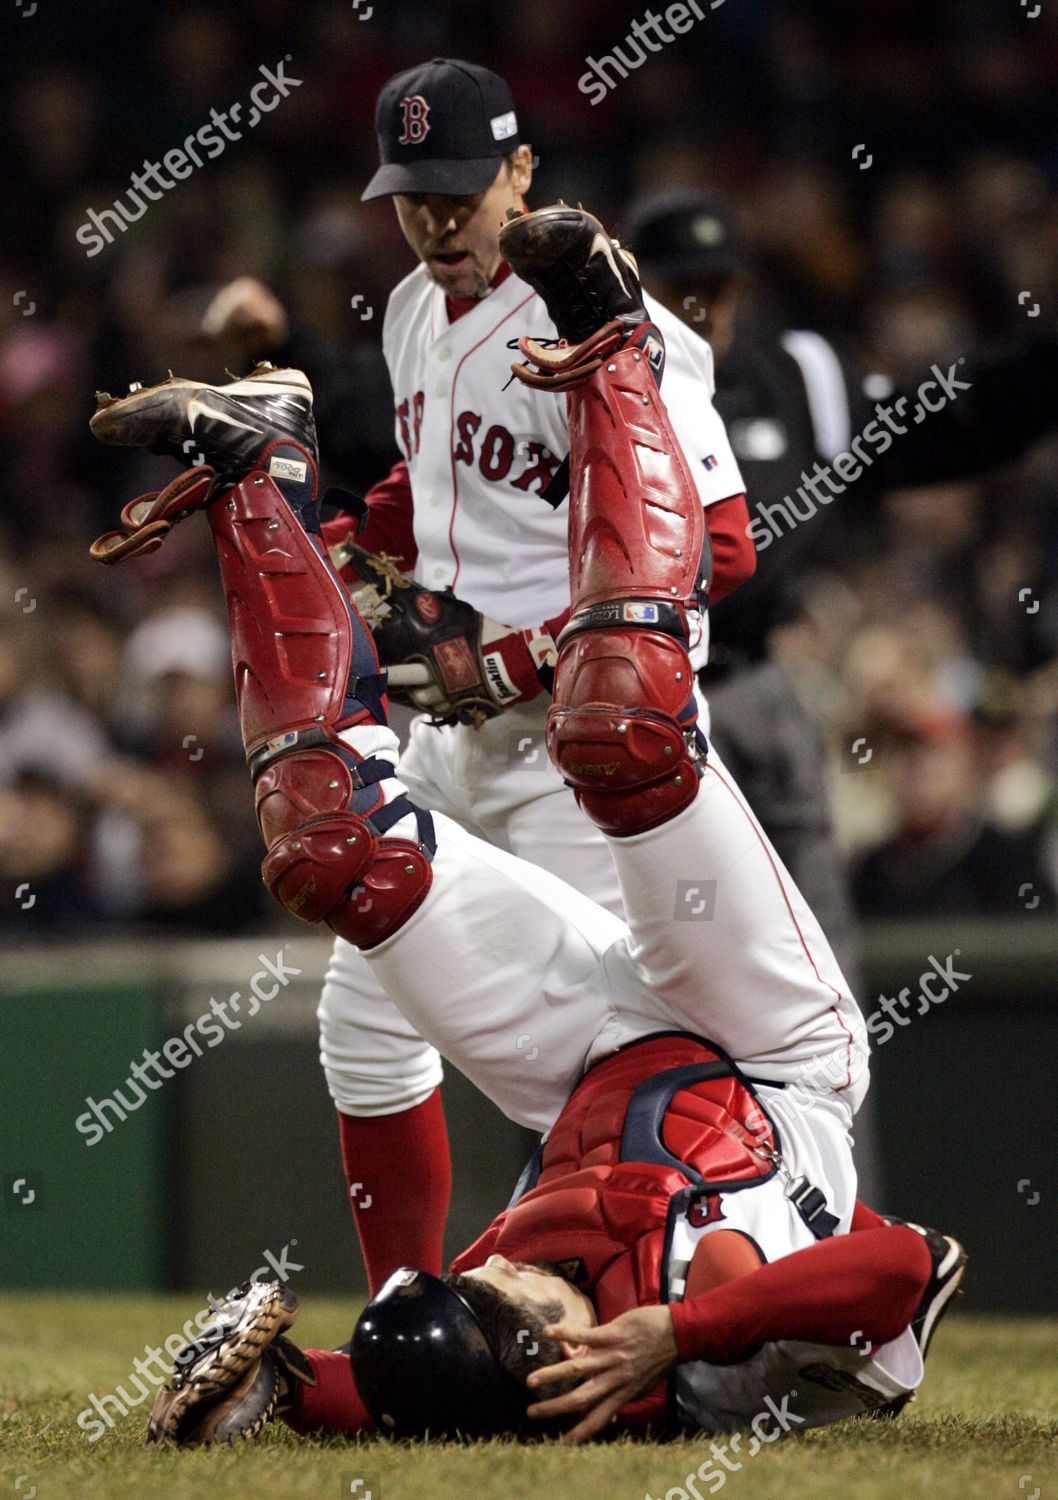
481,448
495,454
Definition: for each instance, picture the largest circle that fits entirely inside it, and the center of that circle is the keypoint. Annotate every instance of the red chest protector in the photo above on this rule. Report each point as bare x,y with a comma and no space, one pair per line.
646,1132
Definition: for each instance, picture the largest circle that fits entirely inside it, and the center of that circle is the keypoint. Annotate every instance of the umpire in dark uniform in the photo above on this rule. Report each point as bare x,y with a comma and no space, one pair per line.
791,400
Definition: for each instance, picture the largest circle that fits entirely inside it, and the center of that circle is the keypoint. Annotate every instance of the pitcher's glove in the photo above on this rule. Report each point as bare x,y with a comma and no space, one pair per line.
441,655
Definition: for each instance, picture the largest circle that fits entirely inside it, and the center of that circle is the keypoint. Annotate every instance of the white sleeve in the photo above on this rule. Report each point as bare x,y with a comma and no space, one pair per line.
687,389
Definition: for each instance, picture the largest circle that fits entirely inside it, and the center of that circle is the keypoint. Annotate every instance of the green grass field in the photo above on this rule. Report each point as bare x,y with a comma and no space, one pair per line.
984,1428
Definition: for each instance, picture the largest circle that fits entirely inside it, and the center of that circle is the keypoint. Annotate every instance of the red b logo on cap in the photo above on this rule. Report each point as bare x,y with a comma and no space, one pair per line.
416,125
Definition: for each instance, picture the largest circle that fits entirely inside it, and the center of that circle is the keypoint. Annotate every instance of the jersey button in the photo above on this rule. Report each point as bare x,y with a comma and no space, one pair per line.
444,354
442,390
438,572
434,500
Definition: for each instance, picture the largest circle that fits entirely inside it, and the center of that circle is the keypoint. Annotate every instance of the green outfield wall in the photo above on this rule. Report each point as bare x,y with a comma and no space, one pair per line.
234,1156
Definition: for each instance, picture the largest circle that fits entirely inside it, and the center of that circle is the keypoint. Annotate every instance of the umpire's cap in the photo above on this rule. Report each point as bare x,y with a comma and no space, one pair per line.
443,127
677,235
422,1363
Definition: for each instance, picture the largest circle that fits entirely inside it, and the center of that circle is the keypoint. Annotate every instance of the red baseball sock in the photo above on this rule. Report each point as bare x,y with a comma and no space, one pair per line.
400,1178
332,1404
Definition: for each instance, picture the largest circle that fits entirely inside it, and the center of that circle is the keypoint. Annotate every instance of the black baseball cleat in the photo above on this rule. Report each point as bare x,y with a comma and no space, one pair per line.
237,1375
949,1266
585,278
224,426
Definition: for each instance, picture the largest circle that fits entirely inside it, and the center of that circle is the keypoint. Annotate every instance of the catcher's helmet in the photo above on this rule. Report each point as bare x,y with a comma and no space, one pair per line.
421,1363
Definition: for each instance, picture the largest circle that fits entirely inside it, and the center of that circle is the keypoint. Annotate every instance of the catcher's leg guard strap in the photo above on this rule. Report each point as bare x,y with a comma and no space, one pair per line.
331,857
623,725
148,520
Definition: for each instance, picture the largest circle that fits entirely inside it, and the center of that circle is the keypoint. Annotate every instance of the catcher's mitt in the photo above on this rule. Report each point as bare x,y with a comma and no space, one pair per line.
235,1375
441,655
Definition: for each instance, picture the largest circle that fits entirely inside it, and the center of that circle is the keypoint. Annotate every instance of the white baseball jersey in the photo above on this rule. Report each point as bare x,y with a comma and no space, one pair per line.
481,446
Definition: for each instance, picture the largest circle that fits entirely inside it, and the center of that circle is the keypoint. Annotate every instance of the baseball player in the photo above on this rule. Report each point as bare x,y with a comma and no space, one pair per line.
475,512
628,1290
666,1138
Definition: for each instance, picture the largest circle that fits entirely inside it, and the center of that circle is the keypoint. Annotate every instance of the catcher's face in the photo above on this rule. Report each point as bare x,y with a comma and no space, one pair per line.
541,1289
455,238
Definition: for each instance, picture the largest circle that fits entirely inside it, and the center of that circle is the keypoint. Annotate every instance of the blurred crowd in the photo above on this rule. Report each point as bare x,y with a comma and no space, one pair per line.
928,644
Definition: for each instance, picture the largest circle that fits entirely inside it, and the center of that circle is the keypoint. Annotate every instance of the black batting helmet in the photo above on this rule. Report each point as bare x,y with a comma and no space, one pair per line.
422,1364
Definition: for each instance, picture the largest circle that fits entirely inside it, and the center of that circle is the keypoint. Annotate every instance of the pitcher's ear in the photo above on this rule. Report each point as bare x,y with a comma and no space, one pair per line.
521,161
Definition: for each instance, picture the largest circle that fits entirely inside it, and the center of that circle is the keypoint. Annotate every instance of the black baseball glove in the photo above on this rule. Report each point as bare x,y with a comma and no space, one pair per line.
441,655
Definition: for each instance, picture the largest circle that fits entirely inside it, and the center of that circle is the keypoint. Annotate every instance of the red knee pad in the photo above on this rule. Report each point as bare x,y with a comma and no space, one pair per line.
617,732
631,770
312,808
630,667
620,814
304,785
393,887
312,870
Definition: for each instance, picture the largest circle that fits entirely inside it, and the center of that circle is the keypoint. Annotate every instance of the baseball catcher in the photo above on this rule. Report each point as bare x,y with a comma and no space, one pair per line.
626,1289
687,1250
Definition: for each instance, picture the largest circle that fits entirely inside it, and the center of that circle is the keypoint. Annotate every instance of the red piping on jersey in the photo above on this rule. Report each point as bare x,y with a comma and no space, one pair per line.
709,766
452,422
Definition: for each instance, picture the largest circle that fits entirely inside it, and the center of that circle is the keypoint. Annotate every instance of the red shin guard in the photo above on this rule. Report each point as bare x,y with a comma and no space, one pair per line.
624,688
306,670
636,526
292,630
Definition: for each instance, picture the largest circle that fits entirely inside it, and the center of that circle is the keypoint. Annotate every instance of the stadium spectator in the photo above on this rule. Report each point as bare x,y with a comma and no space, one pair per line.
945,858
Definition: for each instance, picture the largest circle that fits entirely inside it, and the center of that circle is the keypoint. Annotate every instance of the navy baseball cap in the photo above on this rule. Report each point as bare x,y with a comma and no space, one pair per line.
443,127
676,235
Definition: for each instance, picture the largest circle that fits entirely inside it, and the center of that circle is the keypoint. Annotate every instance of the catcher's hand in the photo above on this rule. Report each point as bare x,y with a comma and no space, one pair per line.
613,1364
442,656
